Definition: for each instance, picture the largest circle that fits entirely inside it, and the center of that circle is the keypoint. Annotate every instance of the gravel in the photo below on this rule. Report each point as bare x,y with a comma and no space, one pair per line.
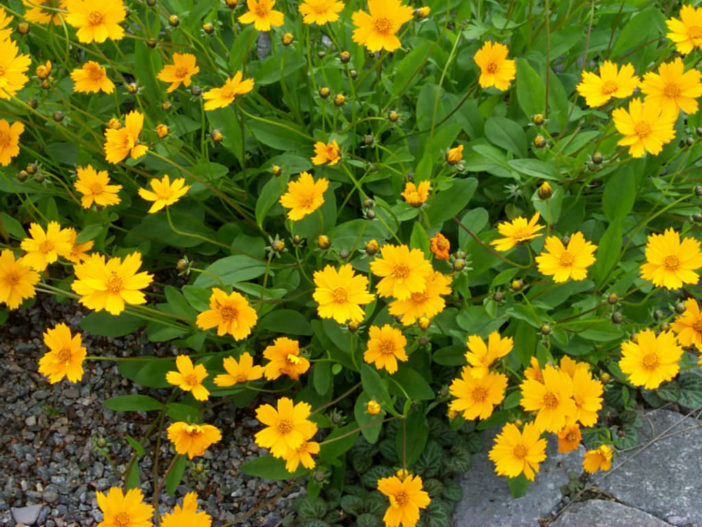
58,444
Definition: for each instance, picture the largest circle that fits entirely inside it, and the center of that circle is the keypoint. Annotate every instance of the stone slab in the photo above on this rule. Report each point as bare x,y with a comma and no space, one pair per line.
601,513
26,515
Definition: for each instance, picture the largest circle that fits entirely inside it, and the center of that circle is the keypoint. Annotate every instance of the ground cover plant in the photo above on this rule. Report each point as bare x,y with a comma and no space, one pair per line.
384,226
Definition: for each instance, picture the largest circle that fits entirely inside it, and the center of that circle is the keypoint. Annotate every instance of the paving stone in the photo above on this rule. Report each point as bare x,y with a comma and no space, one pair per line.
661,478
487,500
601,513
26,515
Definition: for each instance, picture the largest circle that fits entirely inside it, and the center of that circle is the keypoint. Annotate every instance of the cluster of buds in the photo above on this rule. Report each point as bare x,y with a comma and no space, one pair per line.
460,262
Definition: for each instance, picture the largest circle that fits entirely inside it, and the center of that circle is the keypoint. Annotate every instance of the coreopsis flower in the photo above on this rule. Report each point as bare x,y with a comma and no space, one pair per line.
416,195
302,455
686,31
5,21
587,395
552,400
122,142
495,68
65,356
17,280
481,356
569,438
163,192
287,427
224,96
652,359
44,247
304,196
611,82
124,510
13,66
9,140
516,452
571,366
563,262
688,326
517,231
91,78
477,397
189,378
187,515
229,313
239,371
672,88
262,15
52,13
406,497
598,459
326,152
43,70
454,155
534,371
285,359
403,270
386,346
377,30
192,440
95,187
79,251
162,130
110,284
96,21
373,407
646,127
428,303
670,262
440,246
180,72
340,293
320,11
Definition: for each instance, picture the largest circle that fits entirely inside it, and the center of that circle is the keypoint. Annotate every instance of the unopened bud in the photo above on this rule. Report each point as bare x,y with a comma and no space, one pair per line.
498,296
208,27
324,92
459,264
680,308
368,140
617,317
31,168
597,158
371,247
539,141
23,28
323,242
424,323
166,105
545,190
58,116
612,299
132,88
393,116
343,254
344,57
373,408
216,135
517,285
537,119
276,170
173,20
353,74
287,39
151,42
545,329
339,99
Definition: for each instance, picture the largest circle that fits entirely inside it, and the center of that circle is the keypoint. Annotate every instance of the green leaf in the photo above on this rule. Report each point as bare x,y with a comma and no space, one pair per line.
225,120
525,342
506,134
450,356
415,437
535,168
13,227
281,135
132,478
136,445
447,203
333,448
286,321
531,92
182,412
619,194
413,383
130,403
145,372
608,252
89,232
374,386
178,304
420,240
429,461
269,196
322,377
175,475
518,486
269,467
106,325
230,270
410,67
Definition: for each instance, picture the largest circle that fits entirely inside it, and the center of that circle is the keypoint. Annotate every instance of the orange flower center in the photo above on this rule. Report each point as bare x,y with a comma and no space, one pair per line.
697,325
285,426
550,400
671,90
443,244
228,313
11,279
241,378
418,298
400,271
401,498
479,394
609,87
114,284
571,437
96,188
340,295
383,25
95,74
650,361
122,519
95,18
642,129
386,347
261,10
671,263
520,451
566,259
181,72
307,202
64,355
492,67
694,32
46,246
191,380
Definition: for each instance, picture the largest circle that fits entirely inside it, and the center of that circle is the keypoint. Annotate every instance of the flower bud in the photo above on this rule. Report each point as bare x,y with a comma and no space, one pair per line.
278,245
605,377
31,168
173,20
352,326
166,105
537,119
344,57
151,42
368,139
324,92
208,27
321,54
323,242
545,190
22,176
517,285
232,3
698,189
393,116
451,413
183,265
216,135
422,12
276,170
39,178
539,141
373,408
372,247
162,130
132,88
339,100
680,308
344,253
612,299
424,323
23,28
58,116
498,296
459,264
34,104
597,158
617,317
287,39
195,91
353,74
545,329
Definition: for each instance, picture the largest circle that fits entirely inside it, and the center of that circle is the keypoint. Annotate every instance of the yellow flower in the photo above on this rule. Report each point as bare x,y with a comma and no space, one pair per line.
686,32
287,427
112,284
515,452
587,394
569,438
326,152
43,70
162,130
416,195
187,515
189,378
124,510
598,459
320,11
180,72
304,196
122,142
427,304
341,293
5,21
12,68
454,155
44,248
495,68
386,346
377,30
95,187
670,263
285,359
231,314
406,497
262,15
611,82
652,359
403,270
17,280
566,262
9,140
78,250
303,454
91,78
480,357
373,407
96,21
688,326
192,440
672,88
645,127
164,192
553,400
477,397
239,371
440,246
65,356
534,372
43,15
516,231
